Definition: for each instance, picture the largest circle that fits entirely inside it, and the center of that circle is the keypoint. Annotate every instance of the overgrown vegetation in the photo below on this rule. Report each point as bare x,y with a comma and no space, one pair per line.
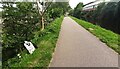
57,9
22,22
19,25
105,15
77,10
106,36
46,42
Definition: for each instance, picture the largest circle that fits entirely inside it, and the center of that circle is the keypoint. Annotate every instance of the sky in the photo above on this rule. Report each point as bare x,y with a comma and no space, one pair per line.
73,3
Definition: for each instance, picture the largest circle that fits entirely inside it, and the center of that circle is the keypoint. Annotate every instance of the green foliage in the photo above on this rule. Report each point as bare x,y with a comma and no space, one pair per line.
77,10
106,36
56,12
46,42
71,12
18,26
57,9
105,15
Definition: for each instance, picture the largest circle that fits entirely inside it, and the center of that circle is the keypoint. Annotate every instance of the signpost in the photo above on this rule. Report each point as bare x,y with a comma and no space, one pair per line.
29,46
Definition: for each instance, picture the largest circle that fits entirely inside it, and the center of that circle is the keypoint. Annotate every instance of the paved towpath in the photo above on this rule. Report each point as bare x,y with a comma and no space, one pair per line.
76,47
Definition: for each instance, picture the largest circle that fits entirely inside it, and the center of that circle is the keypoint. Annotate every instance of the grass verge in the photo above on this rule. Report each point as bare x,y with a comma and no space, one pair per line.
46,42
106,36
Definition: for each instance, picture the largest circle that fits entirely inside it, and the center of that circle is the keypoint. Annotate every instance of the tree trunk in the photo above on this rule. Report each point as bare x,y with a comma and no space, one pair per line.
42,24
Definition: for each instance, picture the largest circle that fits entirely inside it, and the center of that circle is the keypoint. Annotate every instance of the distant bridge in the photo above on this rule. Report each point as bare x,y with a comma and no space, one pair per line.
92,5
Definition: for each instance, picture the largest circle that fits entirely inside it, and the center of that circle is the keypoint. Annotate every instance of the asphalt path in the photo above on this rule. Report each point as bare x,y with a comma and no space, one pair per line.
76,47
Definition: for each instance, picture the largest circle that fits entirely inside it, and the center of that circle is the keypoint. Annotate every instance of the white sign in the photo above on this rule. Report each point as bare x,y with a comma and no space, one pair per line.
29,46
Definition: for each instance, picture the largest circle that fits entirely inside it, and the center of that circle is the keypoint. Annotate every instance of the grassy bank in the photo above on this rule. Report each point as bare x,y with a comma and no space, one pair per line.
46,42
106,36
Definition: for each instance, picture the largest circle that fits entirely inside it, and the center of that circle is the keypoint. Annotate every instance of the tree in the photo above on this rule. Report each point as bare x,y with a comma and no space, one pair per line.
107,18
77,10
18,25
105,15
96,14
117,18
56,12
42,8
71,12
57,9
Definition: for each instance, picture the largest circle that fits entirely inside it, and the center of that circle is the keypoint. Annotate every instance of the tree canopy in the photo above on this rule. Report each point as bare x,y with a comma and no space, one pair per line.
77,10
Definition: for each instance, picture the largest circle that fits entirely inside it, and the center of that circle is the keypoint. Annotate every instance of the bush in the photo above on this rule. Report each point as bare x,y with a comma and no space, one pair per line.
18,26
45,41
106,15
